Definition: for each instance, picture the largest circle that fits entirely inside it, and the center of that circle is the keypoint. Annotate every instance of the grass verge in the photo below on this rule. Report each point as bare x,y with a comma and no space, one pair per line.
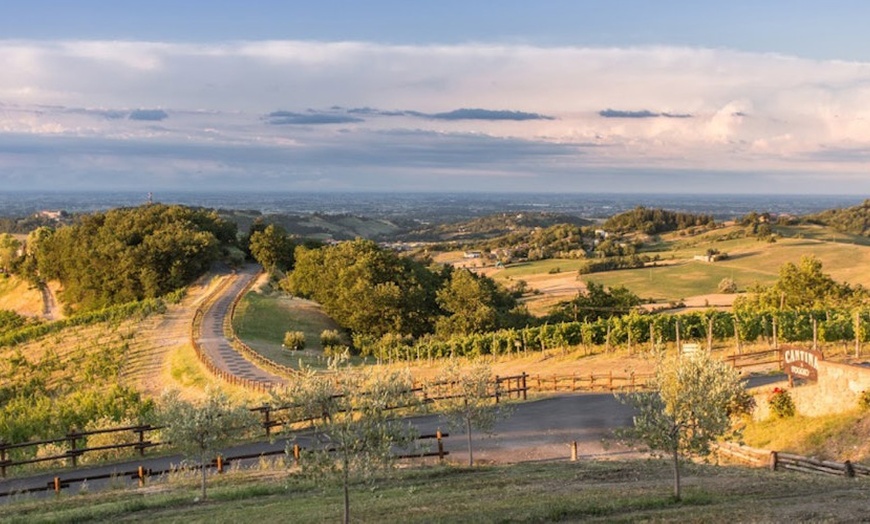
532,492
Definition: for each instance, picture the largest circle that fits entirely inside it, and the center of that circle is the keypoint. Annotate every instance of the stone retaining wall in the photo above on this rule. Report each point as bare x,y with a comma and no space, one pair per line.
838,390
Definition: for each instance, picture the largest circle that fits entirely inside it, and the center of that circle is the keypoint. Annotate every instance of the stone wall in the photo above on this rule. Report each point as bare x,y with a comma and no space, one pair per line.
838,390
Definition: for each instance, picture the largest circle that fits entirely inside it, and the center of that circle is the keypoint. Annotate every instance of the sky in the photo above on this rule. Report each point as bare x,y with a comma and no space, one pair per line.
560,96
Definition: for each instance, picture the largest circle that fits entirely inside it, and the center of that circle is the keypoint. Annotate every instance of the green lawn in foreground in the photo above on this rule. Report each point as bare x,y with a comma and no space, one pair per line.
585,491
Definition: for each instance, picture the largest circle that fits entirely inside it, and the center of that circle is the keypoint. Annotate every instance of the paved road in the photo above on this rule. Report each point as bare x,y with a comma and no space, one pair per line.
212,337
536,430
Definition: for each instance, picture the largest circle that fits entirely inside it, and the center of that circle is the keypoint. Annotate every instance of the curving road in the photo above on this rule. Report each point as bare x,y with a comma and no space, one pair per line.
212,339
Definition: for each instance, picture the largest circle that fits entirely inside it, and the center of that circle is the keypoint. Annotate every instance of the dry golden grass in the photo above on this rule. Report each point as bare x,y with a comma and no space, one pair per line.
19,296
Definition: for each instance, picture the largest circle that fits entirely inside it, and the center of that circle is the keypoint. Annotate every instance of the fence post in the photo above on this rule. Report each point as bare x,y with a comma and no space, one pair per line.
850,470
141,475
266,421
71,437
3,459
574,451
440,446
773,459
220,464
497,383
141,433
525,388
57,484
610,381
296,453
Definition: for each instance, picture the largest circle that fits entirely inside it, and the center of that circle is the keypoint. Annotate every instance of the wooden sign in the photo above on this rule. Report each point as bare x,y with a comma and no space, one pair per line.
801,363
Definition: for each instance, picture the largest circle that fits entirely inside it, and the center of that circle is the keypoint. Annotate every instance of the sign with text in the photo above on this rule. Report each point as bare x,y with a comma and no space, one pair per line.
801,363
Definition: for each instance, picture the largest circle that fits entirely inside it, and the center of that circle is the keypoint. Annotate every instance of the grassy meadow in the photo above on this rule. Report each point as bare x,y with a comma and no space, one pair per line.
262,318
588,491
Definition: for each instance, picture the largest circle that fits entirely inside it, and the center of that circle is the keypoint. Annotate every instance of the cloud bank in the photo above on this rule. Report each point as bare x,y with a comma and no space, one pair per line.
348,115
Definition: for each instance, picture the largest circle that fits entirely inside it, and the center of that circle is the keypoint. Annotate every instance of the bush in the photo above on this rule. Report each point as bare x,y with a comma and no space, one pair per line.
329,338
780,403
294,340
109,439
864,400
727,285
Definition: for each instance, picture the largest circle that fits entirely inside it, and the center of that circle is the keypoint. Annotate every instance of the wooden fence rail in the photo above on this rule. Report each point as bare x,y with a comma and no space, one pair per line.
591,382
758,358
220,463
271,417
777,460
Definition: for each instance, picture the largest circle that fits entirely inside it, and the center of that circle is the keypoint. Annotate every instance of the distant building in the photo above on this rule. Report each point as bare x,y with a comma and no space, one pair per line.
473,254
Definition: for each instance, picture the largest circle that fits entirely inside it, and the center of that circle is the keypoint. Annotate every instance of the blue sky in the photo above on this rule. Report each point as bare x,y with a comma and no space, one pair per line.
560,96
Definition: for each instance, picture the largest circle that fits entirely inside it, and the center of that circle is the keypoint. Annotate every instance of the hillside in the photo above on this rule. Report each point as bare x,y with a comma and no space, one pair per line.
852,220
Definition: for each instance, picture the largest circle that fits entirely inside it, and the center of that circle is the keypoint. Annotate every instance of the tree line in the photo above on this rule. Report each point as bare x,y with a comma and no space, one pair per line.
126,254
374,292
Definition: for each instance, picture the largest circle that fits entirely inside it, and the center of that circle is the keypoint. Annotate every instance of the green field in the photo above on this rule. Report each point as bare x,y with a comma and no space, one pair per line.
262,319
587,491
677,276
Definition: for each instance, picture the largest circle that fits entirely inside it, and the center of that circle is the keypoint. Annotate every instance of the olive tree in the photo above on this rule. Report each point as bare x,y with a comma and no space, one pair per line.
692,403
200,430
465,396
354,417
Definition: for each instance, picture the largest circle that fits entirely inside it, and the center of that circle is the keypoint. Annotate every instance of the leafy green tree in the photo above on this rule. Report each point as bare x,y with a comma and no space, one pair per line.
595,302
801,286
352,417
130,254
366,289
692,404
201,430
467,399
475,304
9,247
272,248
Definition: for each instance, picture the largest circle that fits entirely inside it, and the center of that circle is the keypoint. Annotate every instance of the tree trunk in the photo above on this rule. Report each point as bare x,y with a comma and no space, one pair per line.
676,474
468,431
204,466
346,481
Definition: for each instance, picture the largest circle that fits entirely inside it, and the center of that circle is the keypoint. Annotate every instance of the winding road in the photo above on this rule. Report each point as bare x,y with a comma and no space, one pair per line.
211,335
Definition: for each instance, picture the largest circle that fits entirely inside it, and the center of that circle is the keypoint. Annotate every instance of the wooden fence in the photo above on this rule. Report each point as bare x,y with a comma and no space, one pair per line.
591,382
271,417
758,358
777,460
72,439
220,463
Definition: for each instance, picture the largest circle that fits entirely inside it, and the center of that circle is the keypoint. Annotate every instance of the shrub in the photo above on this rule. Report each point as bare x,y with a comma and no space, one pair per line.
727,285
109,439
864,400
780,403
294,340
329,338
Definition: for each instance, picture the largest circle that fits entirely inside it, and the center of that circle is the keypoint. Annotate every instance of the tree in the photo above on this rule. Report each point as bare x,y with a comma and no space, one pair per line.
272,248
352,416
467,399
594,303
475,304
200,430
9,246
366,289
692,403
801,286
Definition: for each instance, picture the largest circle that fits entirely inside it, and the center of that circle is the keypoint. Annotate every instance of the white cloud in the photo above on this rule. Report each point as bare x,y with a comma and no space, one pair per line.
749,112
